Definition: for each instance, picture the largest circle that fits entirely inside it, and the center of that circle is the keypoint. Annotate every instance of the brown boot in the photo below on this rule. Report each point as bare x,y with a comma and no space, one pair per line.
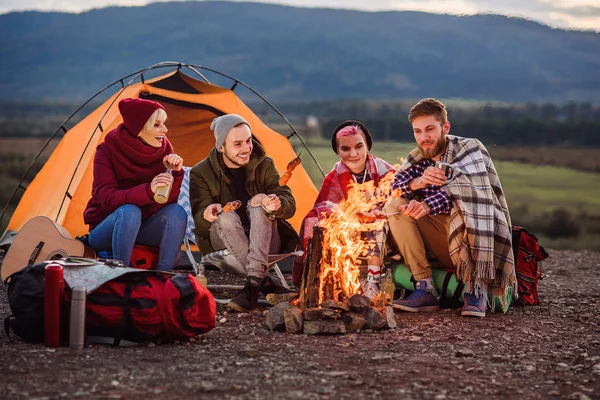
247,298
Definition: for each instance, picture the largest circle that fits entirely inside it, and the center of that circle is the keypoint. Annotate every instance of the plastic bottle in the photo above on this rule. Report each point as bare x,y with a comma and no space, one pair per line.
53,293
77,321
388,287
162,192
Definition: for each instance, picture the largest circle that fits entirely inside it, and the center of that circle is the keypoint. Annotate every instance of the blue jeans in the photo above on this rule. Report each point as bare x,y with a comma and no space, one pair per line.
124,228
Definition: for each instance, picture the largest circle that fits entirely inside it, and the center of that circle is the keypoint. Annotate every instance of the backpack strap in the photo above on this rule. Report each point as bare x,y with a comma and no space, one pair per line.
187,295
450,302
126,318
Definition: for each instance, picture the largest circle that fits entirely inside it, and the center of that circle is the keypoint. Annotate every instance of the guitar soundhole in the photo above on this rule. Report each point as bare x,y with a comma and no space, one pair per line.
59,255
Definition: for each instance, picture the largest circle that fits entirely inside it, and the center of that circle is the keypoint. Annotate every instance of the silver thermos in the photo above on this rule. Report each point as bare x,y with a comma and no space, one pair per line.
77,321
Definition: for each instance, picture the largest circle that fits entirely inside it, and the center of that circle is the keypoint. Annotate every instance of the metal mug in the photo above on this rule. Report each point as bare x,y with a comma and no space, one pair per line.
444,167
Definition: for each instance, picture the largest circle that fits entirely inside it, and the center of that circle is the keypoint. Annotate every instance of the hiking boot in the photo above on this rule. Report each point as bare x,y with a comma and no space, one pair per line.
371,288
246,299
268,286
474,306
419,300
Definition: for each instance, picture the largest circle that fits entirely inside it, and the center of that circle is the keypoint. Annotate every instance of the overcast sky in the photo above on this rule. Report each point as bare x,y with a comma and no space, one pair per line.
574,14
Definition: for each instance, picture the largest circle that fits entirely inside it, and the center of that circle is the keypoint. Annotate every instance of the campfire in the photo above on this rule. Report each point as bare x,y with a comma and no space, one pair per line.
330,298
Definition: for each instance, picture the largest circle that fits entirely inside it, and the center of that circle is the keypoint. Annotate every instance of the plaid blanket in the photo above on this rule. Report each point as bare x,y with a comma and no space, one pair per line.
480,227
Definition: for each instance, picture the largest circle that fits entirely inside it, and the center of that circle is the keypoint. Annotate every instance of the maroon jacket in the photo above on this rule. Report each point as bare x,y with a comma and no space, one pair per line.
123,168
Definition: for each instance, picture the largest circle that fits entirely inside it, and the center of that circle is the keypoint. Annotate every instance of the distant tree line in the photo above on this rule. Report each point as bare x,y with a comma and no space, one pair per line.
530,124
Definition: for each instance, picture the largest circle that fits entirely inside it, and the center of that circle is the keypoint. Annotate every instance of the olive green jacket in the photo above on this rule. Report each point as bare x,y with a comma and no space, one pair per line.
209,184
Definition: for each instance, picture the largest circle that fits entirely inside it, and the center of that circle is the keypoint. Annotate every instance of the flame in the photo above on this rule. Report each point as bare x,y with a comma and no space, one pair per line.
343,245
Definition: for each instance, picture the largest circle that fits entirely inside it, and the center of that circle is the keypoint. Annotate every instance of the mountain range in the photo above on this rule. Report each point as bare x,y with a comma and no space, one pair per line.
290,54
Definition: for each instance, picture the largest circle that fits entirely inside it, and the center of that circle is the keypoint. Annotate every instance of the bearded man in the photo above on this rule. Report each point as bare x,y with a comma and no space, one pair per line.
453,206
237,168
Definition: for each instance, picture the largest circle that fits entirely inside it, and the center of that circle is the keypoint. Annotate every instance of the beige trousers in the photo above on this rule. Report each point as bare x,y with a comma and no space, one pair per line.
415,237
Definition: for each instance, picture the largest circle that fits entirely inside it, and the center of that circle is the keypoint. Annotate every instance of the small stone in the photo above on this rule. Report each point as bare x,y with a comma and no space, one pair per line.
414,338
390,318
293,319
115,383
223,320
374,319
329,326
561,367
334,305
530,368
359,303
275,320
578,396
353,321
317,313
464,353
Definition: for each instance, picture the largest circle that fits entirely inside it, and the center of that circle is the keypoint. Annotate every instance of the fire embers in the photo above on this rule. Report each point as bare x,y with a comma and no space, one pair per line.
332,317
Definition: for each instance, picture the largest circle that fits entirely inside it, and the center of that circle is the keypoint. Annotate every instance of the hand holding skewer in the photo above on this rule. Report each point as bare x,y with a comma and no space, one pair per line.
289,169
212,212
231,206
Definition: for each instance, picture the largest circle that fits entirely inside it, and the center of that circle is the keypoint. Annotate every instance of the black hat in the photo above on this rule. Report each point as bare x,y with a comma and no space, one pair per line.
349,123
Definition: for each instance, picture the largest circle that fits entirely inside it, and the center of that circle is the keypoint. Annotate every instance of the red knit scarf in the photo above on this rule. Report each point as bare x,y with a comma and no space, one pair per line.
134,160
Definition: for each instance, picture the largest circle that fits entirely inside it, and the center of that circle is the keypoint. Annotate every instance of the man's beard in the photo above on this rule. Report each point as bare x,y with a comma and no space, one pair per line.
233,160
435,150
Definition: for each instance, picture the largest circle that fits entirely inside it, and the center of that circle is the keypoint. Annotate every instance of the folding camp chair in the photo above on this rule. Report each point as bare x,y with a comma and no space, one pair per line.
225,261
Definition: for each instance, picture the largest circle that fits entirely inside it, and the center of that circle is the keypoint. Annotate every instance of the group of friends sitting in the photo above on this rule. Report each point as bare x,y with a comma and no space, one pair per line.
451,205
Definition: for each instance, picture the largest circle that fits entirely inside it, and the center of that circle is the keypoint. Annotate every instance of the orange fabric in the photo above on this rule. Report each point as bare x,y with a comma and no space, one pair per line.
188,132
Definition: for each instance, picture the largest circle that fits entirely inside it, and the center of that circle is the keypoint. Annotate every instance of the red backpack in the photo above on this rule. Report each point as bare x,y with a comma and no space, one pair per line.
141,307
528,257
138,306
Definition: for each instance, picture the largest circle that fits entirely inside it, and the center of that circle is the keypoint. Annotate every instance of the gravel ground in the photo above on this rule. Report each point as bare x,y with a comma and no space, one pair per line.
549,351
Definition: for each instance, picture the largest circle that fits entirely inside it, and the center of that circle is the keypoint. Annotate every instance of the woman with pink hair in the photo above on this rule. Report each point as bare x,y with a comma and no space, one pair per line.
351,141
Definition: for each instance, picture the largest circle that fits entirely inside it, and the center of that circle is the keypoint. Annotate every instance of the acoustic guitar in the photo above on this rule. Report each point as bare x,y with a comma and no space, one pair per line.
41,239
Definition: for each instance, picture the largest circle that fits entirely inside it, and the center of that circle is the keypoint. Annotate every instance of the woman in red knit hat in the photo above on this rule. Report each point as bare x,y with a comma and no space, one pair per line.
129,166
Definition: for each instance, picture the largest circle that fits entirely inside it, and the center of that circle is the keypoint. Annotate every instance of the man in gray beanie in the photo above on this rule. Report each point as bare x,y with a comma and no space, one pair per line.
237,168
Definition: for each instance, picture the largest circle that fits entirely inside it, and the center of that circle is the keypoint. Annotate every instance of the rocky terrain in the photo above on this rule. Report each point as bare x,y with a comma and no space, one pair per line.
550,351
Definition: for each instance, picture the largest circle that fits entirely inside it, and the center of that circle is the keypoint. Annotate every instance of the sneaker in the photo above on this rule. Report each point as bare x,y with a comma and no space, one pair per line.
246,299
371,288
474,306
419,300
268,286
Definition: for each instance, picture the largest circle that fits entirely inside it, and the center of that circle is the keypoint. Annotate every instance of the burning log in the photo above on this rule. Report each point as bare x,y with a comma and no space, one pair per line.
309,286
276,298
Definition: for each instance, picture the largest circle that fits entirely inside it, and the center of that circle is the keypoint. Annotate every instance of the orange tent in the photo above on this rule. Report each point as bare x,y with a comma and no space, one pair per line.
61,190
